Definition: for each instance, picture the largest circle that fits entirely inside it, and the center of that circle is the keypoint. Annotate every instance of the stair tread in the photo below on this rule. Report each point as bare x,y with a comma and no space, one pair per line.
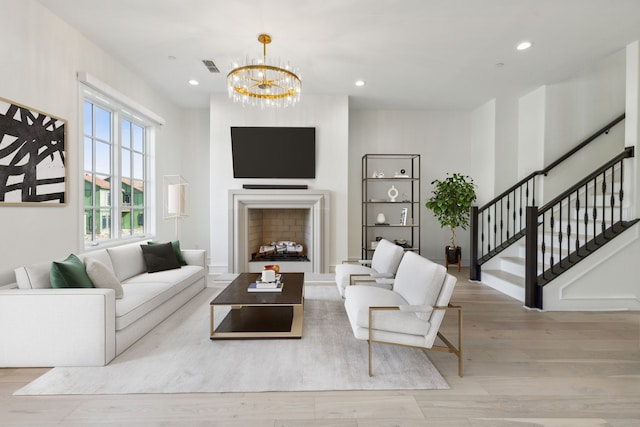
514,259
507,277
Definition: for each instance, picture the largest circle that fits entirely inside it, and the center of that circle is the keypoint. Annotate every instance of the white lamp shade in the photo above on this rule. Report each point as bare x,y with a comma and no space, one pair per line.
176,200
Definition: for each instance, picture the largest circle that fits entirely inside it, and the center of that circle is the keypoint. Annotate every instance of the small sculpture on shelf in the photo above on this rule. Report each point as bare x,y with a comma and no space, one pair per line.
392,193
403,216
401,174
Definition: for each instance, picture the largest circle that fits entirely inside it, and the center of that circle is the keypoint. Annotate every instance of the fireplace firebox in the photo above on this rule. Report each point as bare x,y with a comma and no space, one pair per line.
263,216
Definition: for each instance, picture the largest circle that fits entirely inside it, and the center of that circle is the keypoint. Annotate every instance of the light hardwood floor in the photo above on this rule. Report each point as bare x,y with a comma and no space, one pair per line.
522,368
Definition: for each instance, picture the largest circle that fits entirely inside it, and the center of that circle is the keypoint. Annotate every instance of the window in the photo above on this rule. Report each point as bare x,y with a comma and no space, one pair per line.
132,170
116,167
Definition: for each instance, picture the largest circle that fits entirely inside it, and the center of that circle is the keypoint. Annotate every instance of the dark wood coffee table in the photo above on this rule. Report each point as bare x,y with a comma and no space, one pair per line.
260,314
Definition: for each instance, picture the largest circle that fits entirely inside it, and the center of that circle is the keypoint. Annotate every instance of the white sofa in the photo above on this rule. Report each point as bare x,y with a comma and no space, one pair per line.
42,327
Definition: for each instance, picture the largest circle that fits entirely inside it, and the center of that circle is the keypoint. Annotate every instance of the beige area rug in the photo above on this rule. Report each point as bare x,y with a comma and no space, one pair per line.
178,357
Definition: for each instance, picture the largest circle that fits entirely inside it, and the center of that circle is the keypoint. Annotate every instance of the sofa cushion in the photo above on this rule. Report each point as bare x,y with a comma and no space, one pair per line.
140,299
69,273
176,249
34,276
358,299
100,255
159,257
386,258
414,266
179,278
127,261
102,276
145,292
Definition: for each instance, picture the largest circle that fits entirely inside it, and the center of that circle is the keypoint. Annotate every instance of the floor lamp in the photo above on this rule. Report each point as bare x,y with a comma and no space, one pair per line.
176,198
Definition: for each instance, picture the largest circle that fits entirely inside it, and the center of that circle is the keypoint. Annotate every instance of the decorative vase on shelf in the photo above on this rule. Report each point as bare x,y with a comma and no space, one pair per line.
380,219
392,193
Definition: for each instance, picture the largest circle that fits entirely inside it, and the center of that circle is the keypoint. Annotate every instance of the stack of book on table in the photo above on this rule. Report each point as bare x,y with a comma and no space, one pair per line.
260,286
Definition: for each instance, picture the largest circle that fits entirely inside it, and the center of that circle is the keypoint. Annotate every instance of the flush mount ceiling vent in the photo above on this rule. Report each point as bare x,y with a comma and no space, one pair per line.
210,66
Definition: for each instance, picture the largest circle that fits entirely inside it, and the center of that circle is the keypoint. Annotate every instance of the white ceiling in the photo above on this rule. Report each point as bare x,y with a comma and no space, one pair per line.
413,54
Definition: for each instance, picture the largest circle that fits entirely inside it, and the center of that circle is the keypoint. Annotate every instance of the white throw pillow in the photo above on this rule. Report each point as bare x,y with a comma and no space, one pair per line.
103,277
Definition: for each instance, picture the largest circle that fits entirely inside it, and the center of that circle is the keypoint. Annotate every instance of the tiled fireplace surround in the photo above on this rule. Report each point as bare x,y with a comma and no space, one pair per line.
273,225
257,217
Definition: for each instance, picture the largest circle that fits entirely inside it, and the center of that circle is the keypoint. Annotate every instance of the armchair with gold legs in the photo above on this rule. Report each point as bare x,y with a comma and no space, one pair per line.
409,315
378,271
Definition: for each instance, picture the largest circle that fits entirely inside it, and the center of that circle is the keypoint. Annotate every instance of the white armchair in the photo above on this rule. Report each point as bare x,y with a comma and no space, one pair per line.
379,271
411,313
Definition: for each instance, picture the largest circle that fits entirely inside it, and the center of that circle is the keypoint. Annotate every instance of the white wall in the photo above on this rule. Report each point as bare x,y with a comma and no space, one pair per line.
554,119
531,128
506,144
607,280
574,109
329,115
194,167
632,125
550,121
542,125
483,151
443,139
578,106
41,56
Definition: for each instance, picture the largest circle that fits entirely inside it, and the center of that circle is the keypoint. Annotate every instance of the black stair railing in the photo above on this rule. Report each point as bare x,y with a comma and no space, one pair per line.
502,221
573,225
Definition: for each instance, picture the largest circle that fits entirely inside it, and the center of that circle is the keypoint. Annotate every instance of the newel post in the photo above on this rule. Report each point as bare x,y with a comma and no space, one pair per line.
533,292
474,267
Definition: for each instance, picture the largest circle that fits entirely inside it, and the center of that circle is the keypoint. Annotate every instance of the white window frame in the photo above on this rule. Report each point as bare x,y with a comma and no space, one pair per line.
101,95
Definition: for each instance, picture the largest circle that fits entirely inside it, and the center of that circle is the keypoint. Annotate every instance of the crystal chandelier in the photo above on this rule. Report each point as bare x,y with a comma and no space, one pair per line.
267,84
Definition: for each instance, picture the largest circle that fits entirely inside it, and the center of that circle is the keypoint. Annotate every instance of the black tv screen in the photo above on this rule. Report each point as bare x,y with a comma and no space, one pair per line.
273,152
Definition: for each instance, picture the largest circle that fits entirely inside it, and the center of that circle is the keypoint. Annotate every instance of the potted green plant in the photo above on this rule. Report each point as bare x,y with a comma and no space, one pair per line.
451,202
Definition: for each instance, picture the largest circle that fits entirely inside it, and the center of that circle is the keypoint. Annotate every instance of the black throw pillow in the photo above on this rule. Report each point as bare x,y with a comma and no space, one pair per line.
159,257
176,248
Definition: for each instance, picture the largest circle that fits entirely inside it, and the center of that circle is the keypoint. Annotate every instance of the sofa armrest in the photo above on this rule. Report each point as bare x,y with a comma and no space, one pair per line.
379,278
57,327
195,256
425,309
365,262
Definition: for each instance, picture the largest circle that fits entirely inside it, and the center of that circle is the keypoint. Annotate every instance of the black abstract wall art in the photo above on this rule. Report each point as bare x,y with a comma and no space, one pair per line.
32,156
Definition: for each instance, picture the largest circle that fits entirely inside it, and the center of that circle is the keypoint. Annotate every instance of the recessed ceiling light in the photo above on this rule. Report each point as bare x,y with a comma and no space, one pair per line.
193,82
524,45
360,83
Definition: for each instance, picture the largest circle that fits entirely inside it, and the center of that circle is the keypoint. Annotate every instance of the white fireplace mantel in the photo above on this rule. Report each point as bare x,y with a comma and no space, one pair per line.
240,201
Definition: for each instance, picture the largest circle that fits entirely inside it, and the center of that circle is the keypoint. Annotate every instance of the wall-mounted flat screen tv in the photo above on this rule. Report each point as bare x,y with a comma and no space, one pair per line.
273,152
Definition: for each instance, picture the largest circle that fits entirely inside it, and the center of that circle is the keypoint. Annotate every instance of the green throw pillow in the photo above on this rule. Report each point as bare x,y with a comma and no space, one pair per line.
159,257
176,249
69,273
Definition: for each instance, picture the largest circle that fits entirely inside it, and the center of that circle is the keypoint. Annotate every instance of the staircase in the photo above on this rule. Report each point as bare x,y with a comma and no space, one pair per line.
562,233
506,272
